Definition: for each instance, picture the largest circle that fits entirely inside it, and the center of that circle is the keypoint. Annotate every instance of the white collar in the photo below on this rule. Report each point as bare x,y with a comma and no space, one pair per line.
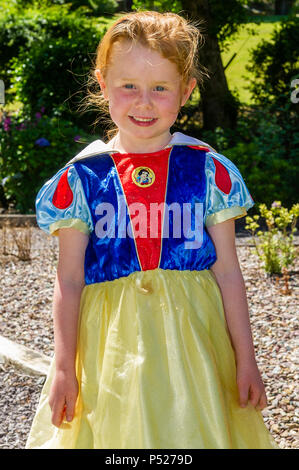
99,147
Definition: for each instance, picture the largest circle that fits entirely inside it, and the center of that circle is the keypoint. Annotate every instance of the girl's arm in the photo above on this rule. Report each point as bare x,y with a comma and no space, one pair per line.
69,283
231,283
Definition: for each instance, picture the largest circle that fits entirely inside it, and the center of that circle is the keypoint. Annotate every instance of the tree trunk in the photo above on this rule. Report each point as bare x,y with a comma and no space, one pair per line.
283,7
124,5
129,4
218,105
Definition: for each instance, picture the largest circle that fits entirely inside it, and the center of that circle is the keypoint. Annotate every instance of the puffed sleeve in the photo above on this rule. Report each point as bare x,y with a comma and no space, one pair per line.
227,195
61,203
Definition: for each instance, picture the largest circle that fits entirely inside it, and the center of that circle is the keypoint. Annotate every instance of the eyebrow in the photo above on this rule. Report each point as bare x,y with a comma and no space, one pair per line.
134,79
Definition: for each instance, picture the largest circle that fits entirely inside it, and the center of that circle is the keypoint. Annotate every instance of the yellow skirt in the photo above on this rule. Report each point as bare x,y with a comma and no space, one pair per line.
156,370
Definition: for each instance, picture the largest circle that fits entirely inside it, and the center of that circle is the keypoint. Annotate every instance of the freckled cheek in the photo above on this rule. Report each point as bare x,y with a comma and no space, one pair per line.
168,105
121,97
119,103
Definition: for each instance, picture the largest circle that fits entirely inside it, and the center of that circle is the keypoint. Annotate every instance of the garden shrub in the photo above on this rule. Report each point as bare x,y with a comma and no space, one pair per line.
97,7
268,153
52,75
43,59
275,247
31,151
274,65
264,146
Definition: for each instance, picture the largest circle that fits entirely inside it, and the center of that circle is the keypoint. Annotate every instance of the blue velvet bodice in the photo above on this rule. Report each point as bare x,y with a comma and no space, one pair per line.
111,258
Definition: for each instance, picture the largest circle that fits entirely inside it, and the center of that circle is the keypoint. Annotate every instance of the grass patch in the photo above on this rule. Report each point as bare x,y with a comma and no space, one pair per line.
236,73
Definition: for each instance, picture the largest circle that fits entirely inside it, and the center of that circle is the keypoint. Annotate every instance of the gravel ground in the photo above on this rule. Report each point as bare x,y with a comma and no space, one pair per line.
25,307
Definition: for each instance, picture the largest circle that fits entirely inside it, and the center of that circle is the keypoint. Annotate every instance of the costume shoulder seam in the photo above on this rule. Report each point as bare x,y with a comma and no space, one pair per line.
95,148
225,161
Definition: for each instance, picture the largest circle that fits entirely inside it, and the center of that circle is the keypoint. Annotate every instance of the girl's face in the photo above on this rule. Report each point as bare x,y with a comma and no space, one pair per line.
145,95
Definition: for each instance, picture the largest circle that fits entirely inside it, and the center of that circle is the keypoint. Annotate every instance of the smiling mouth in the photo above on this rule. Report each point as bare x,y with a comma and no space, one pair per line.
143,120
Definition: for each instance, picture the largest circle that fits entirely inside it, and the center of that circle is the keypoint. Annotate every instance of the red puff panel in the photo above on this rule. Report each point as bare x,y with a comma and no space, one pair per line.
63,196
199,147
222,178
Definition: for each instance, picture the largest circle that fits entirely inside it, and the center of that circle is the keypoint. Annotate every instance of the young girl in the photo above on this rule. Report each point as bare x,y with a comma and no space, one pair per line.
153,347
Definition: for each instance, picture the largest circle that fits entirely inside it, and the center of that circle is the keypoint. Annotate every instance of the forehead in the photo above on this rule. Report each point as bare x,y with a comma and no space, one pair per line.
126,56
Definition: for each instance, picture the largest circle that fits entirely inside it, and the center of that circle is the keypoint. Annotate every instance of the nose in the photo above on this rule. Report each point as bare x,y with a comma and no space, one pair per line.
144,98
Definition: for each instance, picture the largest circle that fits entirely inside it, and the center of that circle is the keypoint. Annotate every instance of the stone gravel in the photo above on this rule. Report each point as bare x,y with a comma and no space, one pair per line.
25,317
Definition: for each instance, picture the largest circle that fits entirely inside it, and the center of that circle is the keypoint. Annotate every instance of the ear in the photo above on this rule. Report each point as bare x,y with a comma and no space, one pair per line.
187,90
102,83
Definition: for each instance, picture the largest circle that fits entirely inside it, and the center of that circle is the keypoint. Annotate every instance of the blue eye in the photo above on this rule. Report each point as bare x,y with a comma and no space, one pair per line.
160,88
129,86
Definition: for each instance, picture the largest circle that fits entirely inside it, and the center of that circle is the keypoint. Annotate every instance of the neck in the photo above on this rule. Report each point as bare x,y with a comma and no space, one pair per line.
122,145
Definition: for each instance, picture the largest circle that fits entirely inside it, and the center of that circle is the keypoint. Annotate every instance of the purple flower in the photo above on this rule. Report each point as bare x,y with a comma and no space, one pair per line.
6,124
42,109
21,126
38,116
42,142
77,137
276,204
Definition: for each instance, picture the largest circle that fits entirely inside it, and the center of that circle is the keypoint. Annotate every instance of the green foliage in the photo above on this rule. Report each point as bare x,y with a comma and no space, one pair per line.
227,16
274,64
63,61
31,152
43,57
91,7
264,146
103,7
162,6
275,246
44,62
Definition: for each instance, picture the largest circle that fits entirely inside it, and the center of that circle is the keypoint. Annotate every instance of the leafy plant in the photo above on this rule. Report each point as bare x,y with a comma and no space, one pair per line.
274,64
59,60
163,5
31,152
264,146
93,7
103,7
44,61
275,246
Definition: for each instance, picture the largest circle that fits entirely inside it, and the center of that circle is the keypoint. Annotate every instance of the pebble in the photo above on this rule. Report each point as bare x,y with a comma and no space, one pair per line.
18,400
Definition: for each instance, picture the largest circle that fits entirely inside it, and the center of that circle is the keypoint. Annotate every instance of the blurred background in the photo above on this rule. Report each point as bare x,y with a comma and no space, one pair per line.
247,109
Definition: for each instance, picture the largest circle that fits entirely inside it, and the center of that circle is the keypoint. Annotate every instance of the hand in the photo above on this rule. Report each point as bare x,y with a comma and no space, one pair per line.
250,385
63,396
